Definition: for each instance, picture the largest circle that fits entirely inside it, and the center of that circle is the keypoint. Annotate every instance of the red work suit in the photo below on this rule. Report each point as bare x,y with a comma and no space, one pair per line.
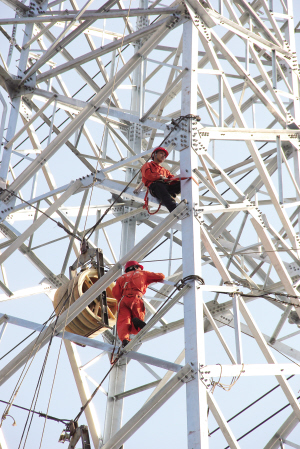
129,290
151,171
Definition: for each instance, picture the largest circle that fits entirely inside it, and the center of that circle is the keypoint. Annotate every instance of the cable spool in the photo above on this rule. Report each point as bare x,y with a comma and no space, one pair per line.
88,323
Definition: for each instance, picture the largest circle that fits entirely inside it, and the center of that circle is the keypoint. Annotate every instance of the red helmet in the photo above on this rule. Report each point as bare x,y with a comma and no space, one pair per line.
131,263
160,149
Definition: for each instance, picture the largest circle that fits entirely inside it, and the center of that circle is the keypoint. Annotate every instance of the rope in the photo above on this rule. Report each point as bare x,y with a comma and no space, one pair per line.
174,122
146,205
39,383
105,123
157,246
225,387
36,393
44,213
24,373
59,352
90,231
263,422
177,286
40,414
97,388
170,181
44,325
250,405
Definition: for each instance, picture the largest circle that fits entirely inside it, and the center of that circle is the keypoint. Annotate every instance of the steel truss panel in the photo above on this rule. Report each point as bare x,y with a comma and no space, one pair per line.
97,87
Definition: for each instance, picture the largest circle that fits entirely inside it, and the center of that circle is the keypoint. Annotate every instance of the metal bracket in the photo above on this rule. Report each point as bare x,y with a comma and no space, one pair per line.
190,376
198,213
203,376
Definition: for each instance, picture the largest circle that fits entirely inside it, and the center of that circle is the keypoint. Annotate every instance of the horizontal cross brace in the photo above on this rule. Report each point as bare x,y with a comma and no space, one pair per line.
262,369
92,343
89,15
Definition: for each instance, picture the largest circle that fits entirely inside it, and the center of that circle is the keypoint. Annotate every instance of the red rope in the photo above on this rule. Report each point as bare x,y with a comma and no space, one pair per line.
181,178
177,178
146,205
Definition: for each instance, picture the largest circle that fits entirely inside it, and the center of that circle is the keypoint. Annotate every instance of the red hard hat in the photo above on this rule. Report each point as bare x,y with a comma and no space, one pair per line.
130,263
160,149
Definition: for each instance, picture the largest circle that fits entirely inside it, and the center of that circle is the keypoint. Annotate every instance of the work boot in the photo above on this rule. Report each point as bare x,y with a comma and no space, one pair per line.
125,343
138,324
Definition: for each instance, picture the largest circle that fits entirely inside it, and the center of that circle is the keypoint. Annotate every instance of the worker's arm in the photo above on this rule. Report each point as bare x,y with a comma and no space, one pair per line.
117,291
168,176
154,277
149,173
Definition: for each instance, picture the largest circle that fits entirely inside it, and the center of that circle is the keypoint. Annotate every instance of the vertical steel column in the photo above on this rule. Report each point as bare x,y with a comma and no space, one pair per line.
117,379
111,75
279,169
237,328
221,101
3,118
197,429
274,69
16,101
293,82
114,407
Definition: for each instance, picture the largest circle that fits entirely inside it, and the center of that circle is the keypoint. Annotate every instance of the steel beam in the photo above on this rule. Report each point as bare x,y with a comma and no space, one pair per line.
93,292
84,392
102,95
287,427
41,220
99,52
286,388
222,423
145,412
191,258
96,344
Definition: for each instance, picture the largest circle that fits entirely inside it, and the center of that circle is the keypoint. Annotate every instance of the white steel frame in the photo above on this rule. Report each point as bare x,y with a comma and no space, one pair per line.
261,257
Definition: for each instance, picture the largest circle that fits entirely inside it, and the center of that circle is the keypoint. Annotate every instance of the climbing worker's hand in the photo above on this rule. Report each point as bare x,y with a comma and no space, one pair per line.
163,178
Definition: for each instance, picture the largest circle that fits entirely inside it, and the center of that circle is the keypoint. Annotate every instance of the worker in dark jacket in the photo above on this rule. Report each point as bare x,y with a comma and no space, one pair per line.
161,183
129,291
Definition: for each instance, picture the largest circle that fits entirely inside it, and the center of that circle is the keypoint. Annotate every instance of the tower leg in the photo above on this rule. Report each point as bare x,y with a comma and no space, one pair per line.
197,428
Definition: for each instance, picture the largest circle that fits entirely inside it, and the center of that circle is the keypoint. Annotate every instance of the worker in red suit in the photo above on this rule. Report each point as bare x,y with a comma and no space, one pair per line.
159,180
129,291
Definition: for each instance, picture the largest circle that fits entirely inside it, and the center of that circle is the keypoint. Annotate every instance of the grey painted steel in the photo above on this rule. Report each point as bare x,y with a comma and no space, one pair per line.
66,317
148,409
142,358
89,109
193,311
287,427
269,265
21,239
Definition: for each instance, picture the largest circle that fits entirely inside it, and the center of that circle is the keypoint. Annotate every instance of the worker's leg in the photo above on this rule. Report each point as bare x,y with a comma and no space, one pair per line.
137,311
124,323
174,188
160,191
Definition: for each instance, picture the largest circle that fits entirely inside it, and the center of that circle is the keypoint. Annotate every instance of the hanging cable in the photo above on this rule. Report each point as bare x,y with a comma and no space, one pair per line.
93,228
43,327
39,383
25,368
157,246
263,422
40,414
44,213
36,393
250,405
177,286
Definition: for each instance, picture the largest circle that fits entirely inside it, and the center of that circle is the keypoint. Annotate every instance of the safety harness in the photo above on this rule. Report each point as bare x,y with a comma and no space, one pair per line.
146,199
112,361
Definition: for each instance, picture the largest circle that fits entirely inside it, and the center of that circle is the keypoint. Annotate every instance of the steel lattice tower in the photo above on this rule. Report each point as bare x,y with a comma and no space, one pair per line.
96,88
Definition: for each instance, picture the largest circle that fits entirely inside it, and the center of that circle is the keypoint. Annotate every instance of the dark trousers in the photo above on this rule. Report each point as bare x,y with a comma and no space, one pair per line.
165,193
